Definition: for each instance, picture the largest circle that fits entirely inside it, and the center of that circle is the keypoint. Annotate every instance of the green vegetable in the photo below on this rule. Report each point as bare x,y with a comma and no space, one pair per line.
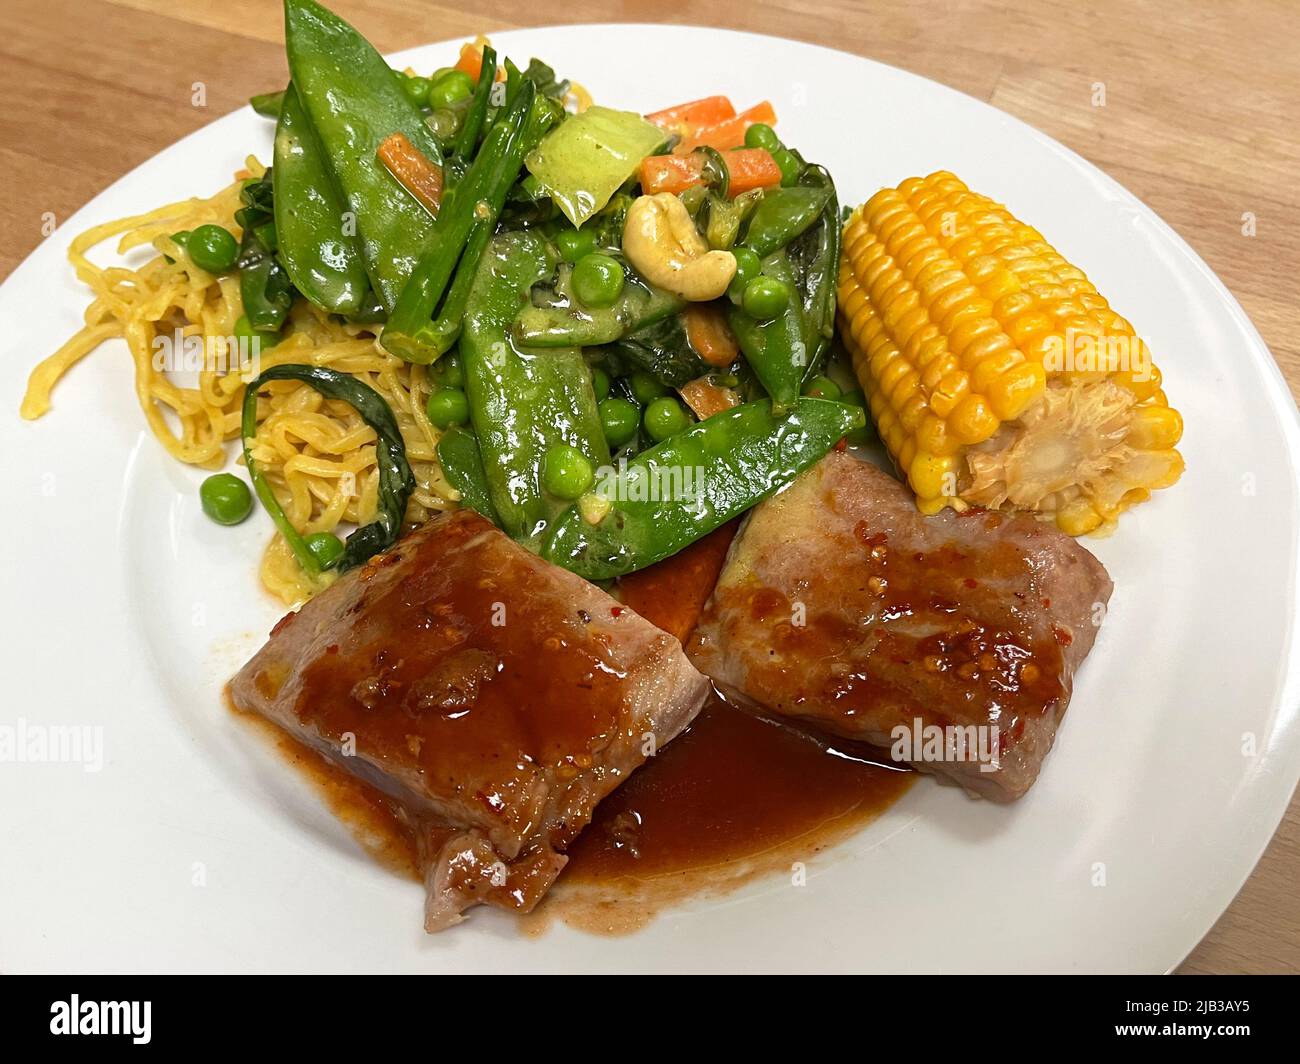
599,382
467,138
462,465
589,156
597,280
566,472
681,489
619,420
448,407
212,248
396,482
646,386
639,306
789,165
821,387
748,266
783,215
761,135
354,100
662,352
416,88
225,498
573,244
522,402
323,261
788,349
264,285
254,341
464,227
665,417
450,89
450,371
326,547
267,104
765,297
858,437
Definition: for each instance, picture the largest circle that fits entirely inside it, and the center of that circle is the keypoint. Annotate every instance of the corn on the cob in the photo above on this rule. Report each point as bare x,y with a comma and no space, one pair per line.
996,373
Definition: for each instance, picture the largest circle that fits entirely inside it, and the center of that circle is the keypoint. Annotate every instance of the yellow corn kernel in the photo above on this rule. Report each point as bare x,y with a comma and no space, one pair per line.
996,372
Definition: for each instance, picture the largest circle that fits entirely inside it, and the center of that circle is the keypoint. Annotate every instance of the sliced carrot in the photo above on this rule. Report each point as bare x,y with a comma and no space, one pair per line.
414,170
706,398
471,61
670,173
709,335
750,168
706,112
729,133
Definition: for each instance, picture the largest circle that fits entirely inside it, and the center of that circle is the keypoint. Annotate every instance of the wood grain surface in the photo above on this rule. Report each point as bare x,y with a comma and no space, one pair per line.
1201,121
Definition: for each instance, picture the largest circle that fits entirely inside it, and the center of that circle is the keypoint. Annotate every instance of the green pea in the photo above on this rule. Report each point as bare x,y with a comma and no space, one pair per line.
600,382
326,546
448,407
254,341
566,472
789,165
450,89
416,88
747,268
822,387
665,417
450,371
212,248
761,135
646,387
765,298
573,244
225,498
597,280
619,420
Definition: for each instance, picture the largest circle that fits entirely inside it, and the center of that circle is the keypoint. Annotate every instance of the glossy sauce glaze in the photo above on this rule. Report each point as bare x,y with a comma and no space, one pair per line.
733,796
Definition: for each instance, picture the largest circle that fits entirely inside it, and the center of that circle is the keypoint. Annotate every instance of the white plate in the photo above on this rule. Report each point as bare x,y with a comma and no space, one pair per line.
194,848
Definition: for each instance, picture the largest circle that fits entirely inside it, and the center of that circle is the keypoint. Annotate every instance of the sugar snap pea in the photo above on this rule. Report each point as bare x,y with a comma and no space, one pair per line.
522,402
322,259
681,489
462,465
354,100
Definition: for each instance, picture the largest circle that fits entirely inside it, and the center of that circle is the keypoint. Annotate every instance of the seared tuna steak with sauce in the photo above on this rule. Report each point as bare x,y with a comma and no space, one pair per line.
843,607
497,698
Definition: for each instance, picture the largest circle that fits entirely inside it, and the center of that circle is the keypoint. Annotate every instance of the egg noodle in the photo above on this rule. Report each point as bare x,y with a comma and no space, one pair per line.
317,454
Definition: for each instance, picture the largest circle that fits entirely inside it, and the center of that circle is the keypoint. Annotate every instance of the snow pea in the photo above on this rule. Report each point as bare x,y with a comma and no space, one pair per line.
267,104
522,402
354,100
322,259
784,214
462,465
681,489
776,350
640,305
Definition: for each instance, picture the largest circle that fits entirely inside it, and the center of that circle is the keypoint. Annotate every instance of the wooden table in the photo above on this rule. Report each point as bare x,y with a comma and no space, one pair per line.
1200,122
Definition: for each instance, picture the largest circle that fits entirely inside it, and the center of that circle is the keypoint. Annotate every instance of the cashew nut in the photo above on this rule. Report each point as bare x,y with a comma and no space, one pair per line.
661,242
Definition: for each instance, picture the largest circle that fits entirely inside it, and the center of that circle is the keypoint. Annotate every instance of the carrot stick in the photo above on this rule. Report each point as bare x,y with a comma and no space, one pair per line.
708,334
729,133
747,168
706,112
416,173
